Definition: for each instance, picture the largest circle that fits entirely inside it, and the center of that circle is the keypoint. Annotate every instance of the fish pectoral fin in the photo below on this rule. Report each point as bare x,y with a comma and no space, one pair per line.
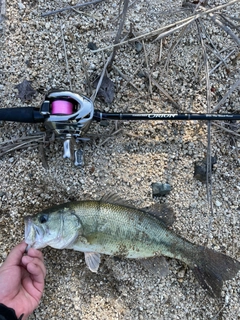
92,260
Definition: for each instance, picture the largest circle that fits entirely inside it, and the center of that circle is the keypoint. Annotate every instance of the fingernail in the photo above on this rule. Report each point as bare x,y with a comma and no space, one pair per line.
27,248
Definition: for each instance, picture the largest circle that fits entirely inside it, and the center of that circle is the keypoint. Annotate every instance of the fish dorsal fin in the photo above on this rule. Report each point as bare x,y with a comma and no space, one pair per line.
92,260
113,198
162,212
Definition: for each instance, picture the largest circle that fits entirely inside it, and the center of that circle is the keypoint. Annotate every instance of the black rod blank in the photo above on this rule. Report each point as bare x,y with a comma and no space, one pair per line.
164,116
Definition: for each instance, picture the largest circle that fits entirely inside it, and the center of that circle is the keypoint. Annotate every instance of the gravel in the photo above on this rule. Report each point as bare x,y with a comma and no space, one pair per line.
127,163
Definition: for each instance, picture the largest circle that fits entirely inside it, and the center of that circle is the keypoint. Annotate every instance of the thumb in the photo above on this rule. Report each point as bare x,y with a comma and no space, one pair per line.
15,255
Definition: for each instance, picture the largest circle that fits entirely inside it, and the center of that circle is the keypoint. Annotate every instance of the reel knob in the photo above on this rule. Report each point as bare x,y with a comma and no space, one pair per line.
68,147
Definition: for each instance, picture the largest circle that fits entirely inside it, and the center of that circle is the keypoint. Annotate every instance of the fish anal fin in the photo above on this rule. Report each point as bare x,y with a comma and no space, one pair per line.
162,212
155,265
92,260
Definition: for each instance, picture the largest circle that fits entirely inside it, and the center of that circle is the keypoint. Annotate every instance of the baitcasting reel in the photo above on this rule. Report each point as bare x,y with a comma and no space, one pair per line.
68,115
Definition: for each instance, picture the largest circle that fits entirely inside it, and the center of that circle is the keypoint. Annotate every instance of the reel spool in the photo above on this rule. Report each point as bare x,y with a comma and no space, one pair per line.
62,107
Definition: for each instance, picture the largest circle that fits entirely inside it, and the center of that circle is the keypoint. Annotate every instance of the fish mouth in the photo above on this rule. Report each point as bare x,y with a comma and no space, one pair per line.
28,232
33,234
28,223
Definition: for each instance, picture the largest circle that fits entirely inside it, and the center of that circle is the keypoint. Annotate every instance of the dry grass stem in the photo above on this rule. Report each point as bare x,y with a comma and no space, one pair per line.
230,91
226,129
110,137
93,96
148,70
20,143
3,8
118,35
175,43
66,59
225,28
160,88
86,14
89,88
70,7
121,14
42,155
229,22
125,77
223,60
182,23
209,148
160,51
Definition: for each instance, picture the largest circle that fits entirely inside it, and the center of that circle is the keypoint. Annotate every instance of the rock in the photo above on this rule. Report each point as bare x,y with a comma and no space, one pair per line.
92,46
200,169
160,189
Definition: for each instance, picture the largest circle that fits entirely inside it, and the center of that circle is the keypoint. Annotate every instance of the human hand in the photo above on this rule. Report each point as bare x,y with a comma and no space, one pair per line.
22,280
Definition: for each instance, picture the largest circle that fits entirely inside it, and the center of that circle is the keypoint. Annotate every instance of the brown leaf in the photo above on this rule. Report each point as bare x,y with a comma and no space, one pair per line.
106,90
25,90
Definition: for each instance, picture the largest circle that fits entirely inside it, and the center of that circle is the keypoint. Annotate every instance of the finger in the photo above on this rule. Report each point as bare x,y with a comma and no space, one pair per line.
37,275
33,280
26,260
15,255
34,253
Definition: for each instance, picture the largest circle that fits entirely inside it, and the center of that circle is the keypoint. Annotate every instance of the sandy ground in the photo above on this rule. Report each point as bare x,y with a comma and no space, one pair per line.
127,164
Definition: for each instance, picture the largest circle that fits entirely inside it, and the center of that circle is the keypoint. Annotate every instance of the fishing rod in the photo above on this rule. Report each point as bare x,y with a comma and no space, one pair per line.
68,115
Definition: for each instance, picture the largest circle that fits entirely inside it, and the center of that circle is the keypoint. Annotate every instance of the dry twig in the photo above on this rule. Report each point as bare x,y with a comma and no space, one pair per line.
160,88
3,8
70,7
147,65
226,129
218,22
66,59
89,89
110,137
93,96
125,77
221,62
117,38
232,88
209,156
179,24
20,143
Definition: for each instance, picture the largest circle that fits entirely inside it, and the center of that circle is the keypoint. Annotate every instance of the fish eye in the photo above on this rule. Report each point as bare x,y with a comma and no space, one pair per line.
43,218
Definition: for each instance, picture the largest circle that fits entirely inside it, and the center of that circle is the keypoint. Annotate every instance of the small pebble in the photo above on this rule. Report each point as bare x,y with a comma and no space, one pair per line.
138,46
21,6
92,46
200,169
160,189
218,203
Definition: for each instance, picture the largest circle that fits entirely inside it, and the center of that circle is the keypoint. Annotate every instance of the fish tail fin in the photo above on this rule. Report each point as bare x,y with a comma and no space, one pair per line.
213,268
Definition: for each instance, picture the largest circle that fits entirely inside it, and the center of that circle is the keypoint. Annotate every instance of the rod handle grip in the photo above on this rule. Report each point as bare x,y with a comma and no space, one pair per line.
24,114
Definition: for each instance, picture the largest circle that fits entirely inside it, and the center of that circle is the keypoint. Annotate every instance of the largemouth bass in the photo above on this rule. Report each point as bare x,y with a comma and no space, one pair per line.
112,227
